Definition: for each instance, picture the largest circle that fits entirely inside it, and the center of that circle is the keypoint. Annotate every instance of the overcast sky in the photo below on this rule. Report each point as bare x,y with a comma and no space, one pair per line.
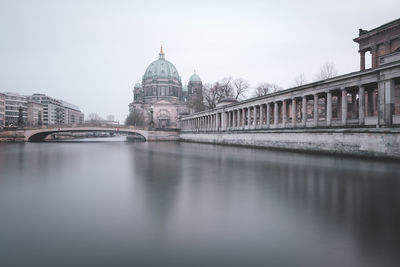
91,53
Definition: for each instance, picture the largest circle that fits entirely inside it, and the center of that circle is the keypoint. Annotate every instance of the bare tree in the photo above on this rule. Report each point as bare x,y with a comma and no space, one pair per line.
211,94
240,88
94,117
300,80
266,88
225,88
328,70
135,117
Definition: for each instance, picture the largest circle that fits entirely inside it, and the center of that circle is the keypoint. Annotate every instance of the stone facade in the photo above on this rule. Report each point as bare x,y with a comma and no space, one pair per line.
160,98
365,99
380,42
2,110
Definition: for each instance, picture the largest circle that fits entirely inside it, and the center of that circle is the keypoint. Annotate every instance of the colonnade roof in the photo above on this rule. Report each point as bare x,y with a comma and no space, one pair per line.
367,33
314,85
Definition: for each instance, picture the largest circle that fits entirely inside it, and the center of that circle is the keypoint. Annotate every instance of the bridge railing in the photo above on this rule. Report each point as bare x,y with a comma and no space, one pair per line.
85,125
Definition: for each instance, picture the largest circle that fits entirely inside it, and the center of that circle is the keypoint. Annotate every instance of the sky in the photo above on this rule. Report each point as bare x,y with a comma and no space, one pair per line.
91,53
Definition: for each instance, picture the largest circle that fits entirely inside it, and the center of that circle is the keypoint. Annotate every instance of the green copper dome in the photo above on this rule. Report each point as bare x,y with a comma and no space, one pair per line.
161,68
195,78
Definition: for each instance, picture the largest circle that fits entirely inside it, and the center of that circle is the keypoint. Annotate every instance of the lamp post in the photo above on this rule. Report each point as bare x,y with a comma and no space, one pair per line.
20,122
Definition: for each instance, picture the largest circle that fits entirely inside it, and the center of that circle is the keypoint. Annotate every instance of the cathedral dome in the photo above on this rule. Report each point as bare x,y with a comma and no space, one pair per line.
195,78
161,68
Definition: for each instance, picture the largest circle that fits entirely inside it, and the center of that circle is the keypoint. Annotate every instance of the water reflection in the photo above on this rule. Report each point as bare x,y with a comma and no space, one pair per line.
171,204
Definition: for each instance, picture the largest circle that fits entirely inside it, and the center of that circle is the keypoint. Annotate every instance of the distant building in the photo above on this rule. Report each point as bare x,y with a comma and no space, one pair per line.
2,110
34,114
56,111
72,113
13,102
53,113
160,97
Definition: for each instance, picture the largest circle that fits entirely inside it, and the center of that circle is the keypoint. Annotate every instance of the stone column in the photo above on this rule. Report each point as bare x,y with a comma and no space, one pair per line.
267,119
344,106
386,101
254,117
243,118
261,116
284,109
294,113
354,110
223,122
304,110
362,60
248,118
238,118
374,56
361,105
276,109
316,115
232,121
329,108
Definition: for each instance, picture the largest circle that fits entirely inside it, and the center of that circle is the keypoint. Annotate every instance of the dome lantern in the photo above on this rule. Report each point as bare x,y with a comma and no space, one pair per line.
162,54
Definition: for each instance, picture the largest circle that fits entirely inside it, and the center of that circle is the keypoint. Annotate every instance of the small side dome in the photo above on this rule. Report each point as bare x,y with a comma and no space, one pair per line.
138,85
195,78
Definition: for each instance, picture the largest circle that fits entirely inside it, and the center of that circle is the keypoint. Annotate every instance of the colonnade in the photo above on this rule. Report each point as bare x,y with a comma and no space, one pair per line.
361,105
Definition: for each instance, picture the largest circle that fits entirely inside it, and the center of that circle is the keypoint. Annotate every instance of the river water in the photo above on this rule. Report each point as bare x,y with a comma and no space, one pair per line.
112,203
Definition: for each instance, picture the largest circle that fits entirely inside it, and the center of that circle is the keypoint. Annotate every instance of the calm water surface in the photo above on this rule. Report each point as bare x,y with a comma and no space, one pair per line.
180,204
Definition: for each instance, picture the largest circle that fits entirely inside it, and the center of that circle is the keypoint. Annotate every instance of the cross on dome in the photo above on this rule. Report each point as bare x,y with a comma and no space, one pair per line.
162,54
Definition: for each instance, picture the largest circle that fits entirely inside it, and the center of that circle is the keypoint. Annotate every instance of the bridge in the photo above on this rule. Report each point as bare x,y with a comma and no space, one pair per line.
38,134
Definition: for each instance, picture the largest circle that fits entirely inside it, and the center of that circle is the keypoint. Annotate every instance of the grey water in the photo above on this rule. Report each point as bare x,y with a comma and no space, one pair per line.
107,203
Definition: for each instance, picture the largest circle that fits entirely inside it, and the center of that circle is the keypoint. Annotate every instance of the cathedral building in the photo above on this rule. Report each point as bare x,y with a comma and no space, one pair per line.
160,98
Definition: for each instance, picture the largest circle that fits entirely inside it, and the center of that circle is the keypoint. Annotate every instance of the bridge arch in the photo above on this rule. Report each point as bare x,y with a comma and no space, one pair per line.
39,135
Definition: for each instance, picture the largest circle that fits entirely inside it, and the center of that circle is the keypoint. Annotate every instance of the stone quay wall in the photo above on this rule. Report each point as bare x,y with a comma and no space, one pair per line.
361,142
